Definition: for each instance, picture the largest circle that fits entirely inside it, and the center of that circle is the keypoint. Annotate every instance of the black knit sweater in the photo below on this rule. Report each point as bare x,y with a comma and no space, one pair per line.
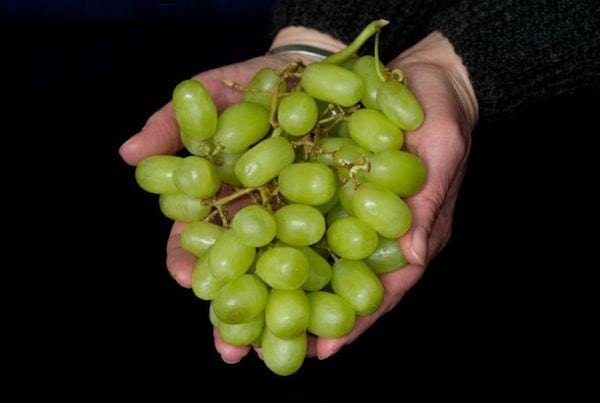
516,51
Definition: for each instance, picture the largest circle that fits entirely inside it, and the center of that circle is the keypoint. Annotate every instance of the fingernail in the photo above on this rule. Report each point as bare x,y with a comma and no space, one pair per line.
418,247
328,353
131,140
229,362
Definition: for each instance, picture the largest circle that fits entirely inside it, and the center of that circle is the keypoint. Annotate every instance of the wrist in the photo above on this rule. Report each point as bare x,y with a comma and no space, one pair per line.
307,44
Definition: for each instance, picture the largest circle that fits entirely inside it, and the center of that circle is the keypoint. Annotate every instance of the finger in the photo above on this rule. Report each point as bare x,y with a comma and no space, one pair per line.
180,262
311,347
395,285
230,354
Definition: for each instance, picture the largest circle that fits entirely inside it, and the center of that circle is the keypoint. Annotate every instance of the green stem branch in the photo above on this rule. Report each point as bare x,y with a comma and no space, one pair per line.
360,40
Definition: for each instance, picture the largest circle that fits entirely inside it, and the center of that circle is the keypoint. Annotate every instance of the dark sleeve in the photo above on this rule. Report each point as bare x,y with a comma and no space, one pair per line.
519,51
343,19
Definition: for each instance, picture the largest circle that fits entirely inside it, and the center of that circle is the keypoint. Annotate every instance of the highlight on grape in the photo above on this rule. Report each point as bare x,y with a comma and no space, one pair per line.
293,197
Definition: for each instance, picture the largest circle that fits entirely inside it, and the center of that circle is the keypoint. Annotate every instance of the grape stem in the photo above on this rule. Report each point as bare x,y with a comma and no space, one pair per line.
356,44
376,56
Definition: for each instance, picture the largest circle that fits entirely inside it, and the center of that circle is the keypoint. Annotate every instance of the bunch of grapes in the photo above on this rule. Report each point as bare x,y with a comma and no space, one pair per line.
293,197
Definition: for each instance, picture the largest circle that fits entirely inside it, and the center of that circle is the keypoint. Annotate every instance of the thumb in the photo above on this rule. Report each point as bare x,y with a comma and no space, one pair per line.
415,242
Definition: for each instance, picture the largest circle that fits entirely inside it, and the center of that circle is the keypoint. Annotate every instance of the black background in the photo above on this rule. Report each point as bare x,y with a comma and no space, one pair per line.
501,307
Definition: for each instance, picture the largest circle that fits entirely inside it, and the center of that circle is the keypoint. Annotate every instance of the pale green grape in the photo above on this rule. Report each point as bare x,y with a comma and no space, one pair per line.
225,169
328,205
195,113
212,316
332,83
204,284
336,213
400,171
319,269
340,129
330,315
242,334
228,257
347,196
181,207
309,183
263,84
297,113
241,300
373,131
299,225
351,238
264,161
328,146
197,177
240,126
283,268
399,104
387,257
197,237
365,68
357,284
254,226
286,313
154,174
283,356
382,210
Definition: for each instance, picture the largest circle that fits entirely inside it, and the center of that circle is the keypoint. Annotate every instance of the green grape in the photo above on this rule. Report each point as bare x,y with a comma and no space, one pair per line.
349,154
319,269
387,257
154,174
212,316
181,207
283,268
240,126
195,113
399,104
199,236
260,88
400,171
332,83
349,63
225,169
308,183
297,113
347,192
197,177
286,313
328,147
283,356
357,284
328,205
228,258
330,315
204,284
254,226
299,225
382,210
365,68
264,161
340,129
373,131
350,238
336,213
242,334
241,300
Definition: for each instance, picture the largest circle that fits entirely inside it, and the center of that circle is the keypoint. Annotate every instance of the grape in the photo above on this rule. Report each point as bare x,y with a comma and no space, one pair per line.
204,284
199,236
330,315
196,114
332,83
264,161
319,269
283,268
399,104
299,225
242,334
399,171
373,131
351,238
263,82
347,196
382,209
308,183
228,257
297,113
154,174
286,313
254,226
241,300
328,147
181,207
387,257
365,68
358,285
225,169
197,177
240,126
336,213
283,356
